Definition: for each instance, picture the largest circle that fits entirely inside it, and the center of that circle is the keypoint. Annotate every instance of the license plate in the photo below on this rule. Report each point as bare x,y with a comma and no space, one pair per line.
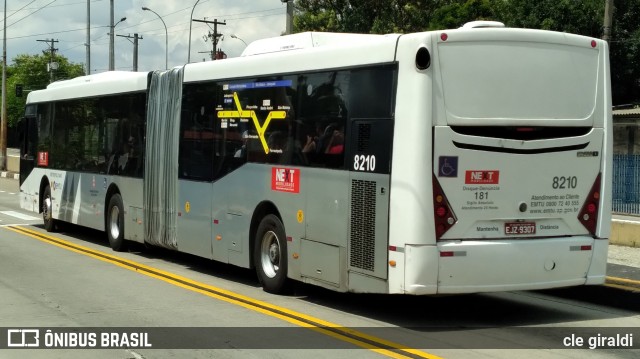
518,228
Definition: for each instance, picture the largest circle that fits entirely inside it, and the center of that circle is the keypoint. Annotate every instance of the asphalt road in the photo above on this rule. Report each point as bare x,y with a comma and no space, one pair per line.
73,282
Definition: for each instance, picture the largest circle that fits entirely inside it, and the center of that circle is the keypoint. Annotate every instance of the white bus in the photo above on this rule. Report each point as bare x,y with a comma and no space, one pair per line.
456,161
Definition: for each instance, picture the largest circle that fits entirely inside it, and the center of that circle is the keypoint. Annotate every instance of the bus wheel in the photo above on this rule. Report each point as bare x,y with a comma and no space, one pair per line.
115,223
47,207
270,254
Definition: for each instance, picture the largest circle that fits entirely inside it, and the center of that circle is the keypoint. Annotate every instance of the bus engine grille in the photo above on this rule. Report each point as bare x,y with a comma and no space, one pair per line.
363,224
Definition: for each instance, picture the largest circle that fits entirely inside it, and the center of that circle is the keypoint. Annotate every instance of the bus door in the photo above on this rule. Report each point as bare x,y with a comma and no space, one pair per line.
195,192
194,217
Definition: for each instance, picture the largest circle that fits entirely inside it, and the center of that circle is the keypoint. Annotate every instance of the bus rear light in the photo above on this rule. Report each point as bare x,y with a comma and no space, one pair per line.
588,215
444,36
593,43
443,214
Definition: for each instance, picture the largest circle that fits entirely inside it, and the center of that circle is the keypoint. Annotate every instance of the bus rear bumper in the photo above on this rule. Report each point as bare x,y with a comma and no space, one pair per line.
598,269
503,265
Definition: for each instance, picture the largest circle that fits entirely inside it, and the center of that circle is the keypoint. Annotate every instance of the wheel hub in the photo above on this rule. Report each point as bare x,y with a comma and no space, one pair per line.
274,253
46,208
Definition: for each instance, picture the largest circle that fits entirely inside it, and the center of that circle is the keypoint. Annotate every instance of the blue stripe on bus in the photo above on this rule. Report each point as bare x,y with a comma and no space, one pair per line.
263,84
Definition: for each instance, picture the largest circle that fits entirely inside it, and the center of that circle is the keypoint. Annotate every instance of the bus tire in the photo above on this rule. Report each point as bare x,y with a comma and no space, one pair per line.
270,254
47,210
115,223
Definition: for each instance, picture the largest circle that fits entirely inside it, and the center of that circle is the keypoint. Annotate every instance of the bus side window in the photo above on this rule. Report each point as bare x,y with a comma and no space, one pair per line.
323,112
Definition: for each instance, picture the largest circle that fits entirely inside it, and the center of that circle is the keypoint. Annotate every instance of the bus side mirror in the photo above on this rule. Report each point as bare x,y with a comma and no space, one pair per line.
19,90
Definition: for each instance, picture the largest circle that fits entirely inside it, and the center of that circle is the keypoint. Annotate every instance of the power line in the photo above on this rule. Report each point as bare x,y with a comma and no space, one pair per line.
59,5
32,13
51,32
17,11
133,26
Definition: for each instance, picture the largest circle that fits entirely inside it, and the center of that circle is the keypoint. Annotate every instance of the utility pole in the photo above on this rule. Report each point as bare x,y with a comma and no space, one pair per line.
3,113
112,64
215,36
52,64
88,43
135,38
608,19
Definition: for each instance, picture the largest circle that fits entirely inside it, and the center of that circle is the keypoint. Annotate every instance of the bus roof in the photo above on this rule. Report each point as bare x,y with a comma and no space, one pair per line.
313,51
305,40
104,83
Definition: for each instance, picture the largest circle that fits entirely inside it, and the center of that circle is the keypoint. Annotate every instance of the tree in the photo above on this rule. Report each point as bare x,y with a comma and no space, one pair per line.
457,13
365,16
625,53
31,72
583,17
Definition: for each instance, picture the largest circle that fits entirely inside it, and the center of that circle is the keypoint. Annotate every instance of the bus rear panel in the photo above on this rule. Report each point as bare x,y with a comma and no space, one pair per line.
521,174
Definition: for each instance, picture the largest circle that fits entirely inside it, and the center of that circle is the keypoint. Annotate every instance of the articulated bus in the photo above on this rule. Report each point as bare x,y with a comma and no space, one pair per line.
468,160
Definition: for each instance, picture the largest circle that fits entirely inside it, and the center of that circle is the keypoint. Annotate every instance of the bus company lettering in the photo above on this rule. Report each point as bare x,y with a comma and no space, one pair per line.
43,158
487,229
285,179
482,177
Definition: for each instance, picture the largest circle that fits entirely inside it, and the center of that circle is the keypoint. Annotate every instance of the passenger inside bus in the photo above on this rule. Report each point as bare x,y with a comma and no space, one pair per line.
336,142
124,158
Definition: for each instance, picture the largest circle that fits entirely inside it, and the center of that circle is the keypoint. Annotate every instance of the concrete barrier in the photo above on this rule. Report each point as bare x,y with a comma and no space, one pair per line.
13,163
625,232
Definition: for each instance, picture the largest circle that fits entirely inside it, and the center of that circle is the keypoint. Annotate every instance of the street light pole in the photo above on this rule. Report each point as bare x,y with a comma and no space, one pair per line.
289,24
166,38
112,26
191,22
233,36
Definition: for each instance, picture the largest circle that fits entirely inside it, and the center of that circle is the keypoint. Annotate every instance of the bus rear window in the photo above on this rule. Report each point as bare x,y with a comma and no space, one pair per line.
518,80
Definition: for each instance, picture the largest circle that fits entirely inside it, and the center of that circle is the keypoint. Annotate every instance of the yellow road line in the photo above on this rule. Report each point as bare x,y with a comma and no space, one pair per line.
342,333
622,283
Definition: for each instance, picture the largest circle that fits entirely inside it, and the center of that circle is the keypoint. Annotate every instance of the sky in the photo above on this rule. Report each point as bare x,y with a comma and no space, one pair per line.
66,21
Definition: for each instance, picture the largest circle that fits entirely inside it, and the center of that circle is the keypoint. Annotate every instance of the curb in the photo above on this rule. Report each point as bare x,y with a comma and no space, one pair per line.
10,175
623,283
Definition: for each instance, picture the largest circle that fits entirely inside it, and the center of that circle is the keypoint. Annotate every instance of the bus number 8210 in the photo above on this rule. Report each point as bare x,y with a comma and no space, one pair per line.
365,163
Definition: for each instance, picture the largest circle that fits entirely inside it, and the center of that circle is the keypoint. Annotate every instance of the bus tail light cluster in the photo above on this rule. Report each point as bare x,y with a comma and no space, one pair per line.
588,215
442,212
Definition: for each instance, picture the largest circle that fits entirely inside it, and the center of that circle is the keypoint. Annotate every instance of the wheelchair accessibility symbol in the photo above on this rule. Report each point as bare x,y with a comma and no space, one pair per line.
448,166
